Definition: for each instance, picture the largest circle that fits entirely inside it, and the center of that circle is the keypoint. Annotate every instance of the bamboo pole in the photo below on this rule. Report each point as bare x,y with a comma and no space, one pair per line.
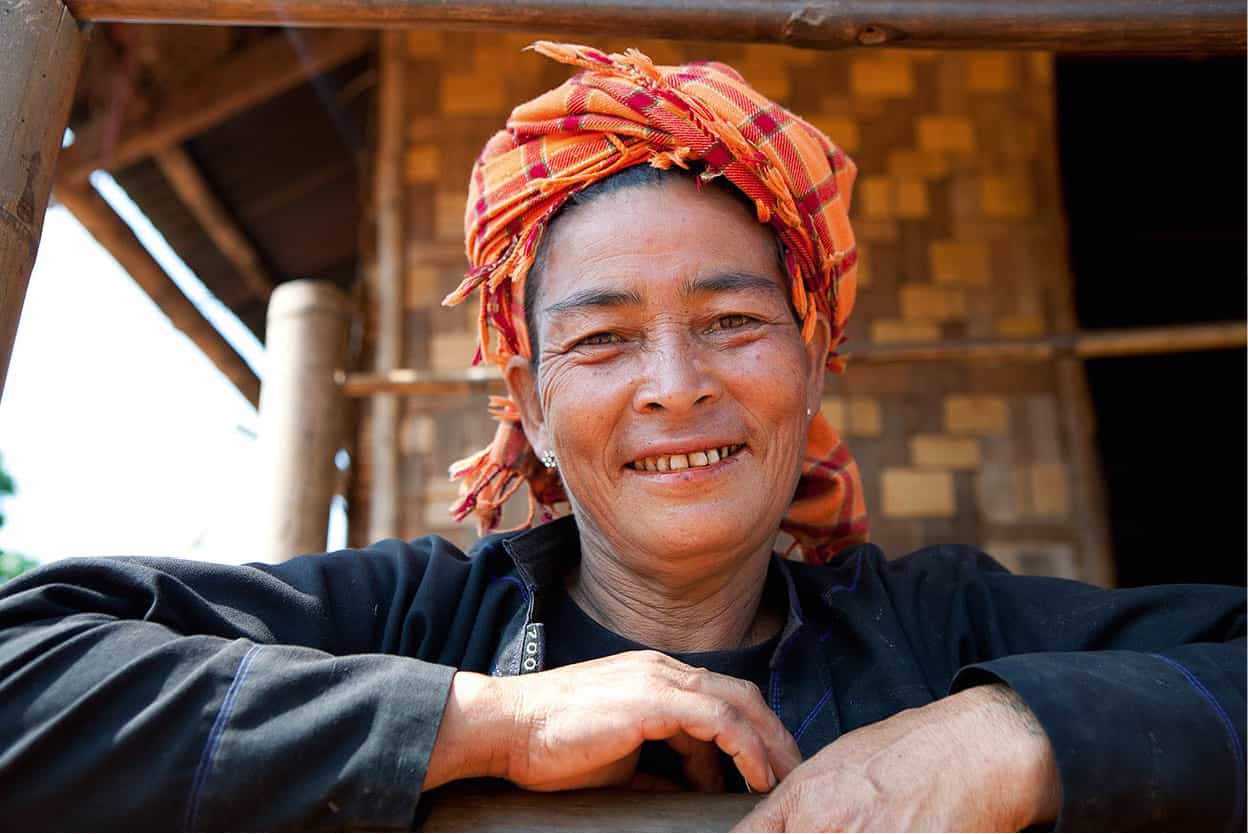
383,515
114,235
1085,345
266,69
301,417
42,49
217,221
1090,25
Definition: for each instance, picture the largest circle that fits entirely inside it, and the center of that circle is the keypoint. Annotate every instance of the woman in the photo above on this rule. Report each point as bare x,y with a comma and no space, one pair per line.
664,352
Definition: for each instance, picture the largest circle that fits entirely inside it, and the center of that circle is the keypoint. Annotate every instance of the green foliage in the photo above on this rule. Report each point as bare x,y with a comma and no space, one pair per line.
11,564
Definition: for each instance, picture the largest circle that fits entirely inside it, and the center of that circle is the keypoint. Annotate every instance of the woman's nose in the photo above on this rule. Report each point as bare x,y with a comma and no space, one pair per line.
675,378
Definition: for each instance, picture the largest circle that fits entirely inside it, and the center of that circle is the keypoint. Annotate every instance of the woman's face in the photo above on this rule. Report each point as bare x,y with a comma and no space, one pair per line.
672,381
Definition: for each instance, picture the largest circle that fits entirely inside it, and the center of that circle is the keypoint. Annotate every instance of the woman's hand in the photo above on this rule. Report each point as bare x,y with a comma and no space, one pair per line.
975,761
582,726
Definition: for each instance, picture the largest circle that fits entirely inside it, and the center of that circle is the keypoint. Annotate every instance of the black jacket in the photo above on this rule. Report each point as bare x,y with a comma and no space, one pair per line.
157,693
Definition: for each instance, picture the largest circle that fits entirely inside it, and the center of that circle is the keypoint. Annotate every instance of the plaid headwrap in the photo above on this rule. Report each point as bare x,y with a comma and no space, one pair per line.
620,111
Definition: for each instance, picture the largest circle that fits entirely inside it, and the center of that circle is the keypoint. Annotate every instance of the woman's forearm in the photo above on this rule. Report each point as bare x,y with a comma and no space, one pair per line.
474,736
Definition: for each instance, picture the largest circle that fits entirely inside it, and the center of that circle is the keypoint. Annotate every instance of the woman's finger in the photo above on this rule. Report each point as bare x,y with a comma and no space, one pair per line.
713,719
781,747
747,701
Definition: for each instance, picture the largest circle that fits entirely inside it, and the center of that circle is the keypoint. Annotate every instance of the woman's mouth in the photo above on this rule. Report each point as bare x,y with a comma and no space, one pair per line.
689,460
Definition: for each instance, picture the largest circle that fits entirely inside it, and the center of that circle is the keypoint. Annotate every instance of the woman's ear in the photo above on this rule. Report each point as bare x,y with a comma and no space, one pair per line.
816,361
520,376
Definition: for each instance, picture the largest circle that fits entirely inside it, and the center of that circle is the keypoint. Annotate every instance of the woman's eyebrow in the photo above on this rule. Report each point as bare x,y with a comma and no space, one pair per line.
730,282
593,299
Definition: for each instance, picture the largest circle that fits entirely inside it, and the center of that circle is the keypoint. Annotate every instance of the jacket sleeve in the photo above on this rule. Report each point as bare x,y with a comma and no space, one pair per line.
159,693
1141,691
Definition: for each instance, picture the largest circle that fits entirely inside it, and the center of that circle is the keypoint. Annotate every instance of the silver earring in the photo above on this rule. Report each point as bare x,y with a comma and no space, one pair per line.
809,412
548,460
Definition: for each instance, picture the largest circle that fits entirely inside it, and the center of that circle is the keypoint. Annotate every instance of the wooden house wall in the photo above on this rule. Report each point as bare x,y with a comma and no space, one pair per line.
957,212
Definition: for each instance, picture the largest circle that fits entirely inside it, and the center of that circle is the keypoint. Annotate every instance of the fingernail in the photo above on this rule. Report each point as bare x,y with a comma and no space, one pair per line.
772,781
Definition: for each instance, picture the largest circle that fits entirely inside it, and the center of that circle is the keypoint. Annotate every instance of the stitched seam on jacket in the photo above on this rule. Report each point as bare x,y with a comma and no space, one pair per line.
775,672
214,736
1227,727
811,715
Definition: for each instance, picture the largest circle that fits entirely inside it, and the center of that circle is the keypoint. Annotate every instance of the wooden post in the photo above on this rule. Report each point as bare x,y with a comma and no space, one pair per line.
383,515
1088,500
42,48
300,422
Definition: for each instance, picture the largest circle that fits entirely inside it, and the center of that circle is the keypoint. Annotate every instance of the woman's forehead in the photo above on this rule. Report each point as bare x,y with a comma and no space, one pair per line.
672,238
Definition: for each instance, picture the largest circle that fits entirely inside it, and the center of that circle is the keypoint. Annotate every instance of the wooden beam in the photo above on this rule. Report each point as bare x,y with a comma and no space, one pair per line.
1085,345
1082,25
383,513
115,236
42,48
1088,344
409,382
185,178
263,70
488,806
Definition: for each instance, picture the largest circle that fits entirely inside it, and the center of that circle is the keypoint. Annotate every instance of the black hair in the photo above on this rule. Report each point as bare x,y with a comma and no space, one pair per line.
637,176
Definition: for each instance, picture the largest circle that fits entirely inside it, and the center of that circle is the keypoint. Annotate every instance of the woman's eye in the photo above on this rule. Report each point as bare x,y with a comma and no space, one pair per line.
732,322
599,339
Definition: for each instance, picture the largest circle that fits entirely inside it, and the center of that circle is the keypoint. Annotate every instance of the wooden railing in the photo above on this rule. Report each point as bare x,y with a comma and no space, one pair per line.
1088,344
1089,25
496,806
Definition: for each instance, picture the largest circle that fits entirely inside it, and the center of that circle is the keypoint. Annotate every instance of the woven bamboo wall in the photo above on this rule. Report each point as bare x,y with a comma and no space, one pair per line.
958,216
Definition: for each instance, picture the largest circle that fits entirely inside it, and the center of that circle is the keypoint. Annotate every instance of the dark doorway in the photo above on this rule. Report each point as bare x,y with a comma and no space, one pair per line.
1153,166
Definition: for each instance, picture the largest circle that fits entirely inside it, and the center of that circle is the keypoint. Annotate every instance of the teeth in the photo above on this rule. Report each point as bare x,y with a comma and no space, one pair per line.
674,463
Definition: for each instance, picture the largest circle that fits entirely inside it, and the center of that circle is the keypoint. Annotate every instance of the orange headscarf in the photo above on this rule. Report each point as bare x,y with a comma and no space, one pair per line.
620,111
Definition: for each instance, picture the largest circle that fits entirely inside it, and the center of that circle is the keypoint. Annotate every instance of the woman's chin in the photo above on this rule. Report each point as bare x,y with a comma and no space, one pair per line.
697,531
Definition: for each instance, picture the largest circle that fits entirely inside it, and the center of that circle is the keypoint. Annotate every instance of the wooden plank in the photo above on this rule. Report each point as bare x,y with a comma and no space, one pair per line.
185,178
42,48
383,514
1090,25
1088,344
256,74
493,806
115,236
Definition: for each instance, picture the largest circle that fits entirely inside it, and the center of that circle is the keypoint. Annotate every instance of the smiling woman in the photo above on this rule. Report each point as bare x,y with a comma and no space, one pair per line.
664,370
665,336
